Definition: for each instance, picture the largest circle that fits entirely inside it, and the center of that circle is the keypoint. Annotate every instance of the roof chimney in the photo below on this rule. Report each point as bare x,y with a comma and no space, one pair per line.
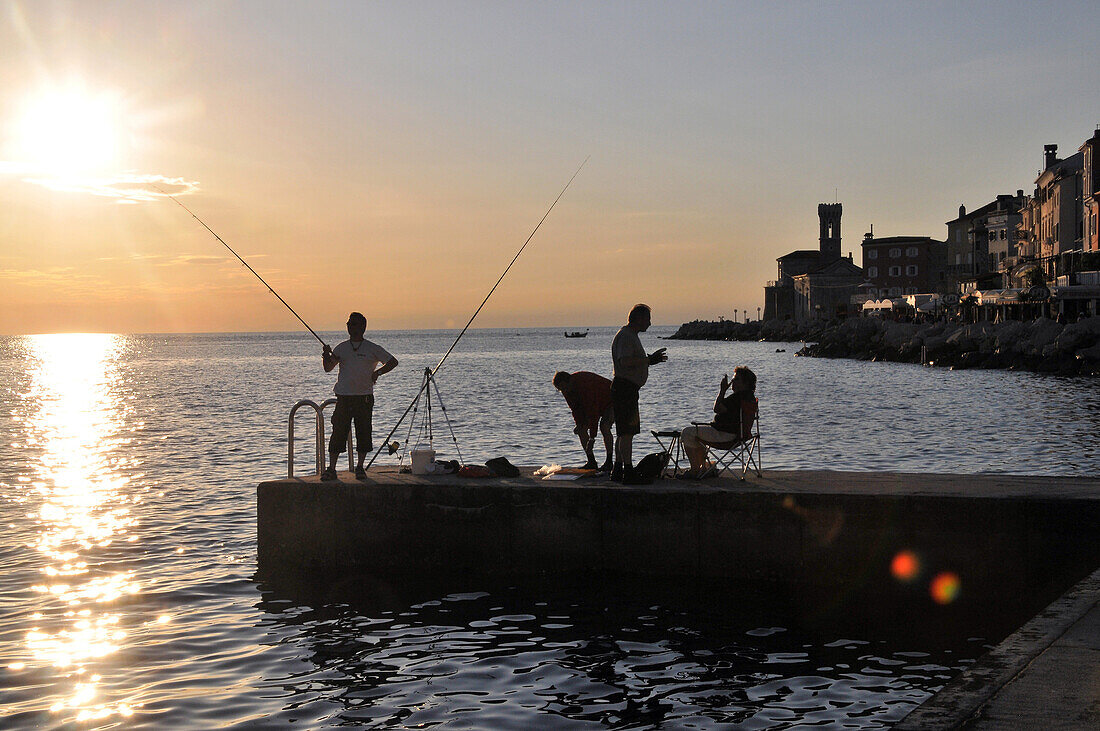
962,211
1050,155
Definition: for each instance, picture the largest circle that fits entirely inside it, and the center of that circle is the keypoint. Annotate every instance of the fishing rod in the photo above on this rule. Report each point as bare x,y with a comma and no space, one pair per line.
430,375
242,261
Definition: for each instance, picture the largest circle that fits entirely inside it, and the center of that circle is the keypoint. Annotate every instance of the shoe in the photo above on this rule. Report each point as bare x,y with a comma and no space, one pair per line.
589,465
633,478
360,473
329,475
606,466
617,473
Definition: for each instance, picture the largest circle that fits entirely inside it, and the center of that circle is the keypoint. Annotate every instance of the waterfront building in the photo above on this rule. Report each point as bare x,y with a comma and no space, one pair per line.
1053,222
895,266
1090,189
983,241
826,292
814,284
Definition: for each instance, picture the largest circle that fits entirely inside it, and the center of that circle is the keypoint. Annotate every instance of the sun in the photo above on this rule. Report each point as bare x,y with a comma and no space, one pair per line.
66,131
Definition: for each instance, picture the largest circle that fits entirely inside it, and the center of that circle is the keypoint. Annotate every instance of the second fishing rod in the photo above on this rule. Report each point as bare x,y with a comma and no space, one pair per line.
430,374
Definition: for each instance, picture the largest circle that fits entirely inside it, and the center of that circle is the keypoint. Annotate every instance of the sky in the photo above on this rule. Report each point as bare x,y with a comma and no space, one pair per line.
392,157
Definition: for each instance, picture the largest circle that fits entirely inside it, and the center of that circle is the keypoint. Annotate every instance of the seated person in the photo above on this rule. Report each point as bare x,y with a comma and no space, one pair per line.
589,398
734,415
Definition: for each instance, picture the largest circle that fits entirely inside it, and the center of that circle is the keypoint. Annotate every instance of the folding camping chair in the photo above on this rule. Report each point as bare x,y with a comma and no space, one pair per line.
741,453
671,445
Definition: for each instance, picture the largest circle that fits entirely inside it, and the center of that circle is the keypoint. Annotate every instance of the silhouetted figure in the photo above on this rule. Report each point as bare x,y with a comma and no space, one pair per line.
358,360
631,372
733,418
589,399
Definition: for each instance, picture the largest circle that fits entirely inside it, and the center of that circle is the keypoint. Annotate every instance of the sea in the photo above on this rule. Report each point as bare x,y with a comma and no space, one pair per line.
129,592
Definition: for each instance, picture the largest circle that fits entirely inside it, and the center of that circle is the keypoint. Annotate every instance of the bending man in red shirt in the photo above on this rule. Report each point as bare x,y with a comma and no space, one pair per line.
589,398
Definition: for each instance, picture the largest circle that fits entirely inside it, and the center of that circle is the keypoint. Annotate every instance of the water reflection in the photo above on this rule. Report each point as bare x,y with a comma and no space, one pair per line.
567,654
73,430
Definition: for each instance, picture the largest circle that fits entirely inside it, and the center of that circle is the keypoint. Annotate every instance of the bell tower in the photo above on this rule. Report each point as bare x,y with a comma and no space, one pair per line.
829,215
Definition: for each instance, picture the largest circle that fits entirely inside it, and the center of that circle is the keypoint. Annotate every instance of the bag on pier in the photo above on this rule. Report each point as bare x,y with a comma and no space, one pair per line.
501,467
652,466
474,470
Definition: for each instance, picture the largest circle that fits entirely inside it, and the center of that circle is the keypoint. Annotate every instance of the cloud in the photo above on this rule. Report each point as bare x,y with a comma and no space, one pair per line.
167,260
126,187
75,282
70,280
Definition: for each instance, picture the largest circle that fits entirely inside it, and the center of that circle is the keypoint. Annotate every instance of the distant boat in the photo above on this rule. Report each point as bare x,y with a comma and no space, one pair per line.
576,334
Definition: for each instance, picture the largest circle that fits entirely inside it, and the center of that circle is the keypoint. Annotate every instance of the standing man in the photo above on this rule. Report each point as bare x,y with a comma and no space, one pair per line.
589,398
358,360
631,372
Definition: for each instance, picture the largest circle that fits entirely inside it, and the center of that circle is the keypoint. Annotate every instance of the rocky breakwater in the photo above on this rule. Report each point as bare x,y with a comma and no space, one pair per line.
1042,345
780,331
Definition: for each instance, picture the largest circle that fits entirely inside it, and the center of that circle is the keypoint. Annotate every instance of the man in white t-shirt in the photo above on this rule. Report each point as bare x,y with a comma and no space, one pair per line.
358,360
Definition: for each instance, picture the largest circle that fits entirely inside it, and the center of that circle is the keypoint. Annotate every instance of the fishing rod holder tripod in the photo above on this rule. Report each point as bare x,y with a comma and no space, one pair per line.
427,384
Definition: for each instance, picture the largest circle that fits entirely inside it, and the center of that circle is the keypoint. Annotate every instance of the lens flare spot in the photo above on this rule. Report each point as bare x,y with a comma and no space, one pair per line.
905,566
945,587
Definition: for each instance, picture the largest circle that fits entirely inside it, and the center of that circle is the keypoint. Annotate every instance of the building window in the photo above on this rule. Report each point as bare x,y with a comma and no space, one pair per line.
872,272
911,270
895,291
895,271
1004,234
912,252
872,253
895,253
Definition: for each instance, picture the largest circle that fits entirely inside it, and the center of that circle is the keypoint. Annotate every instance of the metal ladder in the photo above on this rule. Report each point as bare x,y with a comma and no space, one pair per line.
319,412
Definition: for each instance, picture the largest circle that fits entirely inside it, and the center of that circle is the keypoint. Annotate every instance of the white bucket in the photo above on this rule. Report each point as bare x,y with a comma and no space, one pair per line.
422,460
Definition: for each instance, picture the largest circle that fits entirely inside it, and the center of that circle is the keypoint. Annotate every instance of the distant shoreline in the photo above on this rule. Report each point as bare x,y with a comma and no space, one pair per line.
1039,346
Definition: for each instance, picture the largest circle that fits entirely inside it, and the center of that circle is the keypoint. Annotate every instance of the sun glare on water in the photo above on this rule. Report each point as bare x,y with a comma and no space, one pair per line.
66,131
77,430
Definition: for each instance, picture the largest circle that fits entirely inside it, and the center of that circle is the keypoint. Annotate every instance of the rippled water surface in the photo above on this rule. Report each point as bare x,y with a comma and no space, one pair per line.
128,595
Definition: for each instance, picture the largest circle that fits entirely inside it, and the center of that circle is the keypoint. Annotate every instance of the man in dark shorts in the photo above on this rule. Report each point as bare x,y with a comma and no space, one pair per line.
589,399
631,372
358,360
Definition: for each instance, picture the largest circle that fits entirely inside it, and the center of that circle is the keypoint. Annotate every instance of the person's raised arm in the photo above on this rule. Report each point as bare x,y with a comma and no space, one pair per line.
720,401
328,359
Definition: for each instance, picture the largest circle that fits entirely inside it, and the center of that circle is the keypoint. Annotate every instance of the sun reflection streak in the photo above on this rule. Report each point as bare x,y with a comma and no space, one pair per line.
76,428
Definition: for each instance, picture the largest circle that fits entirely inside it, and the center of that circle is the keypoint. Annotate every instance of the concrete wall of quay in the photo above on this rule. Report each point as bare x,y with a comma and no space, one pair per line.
394,525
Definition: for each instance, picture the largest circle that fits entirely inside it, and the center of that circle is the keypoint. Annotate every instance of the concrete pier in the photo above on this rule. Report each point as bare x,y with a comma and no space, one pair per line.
806,527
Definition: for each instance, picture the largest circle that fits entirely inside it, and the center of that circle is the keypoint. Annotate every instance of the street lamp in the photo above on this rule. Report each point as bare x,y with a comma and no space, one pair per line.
758,314
735,314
